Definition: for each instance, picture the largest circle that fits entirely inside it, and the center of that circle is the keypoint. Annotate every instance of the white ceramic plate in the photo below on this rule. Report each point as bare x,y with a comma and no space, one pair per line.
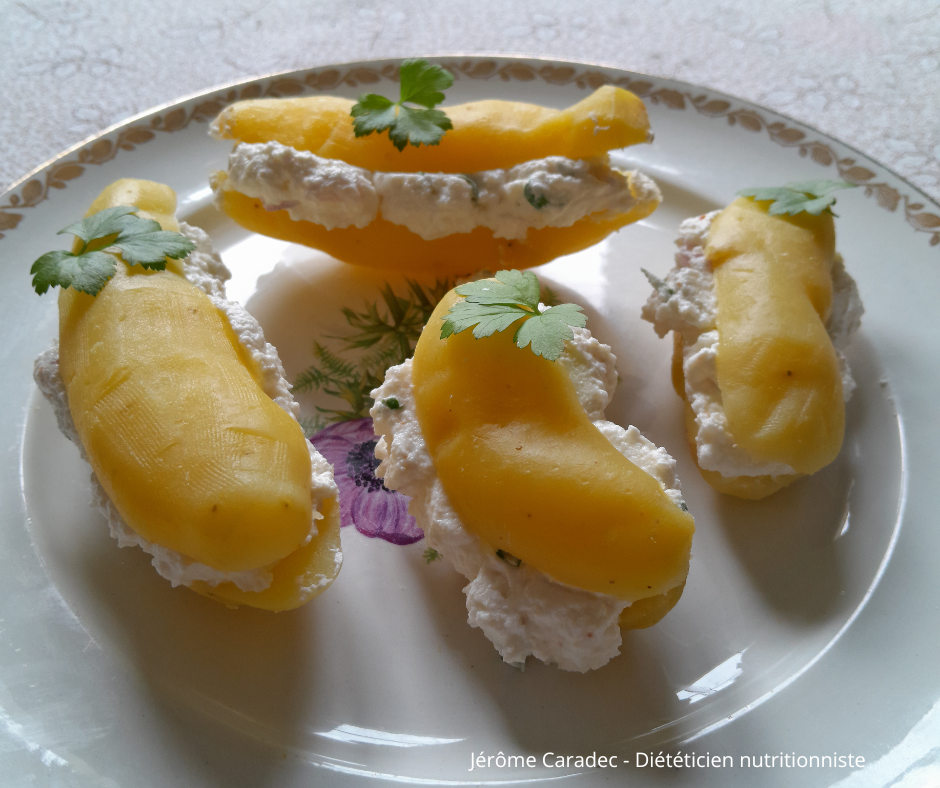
809,625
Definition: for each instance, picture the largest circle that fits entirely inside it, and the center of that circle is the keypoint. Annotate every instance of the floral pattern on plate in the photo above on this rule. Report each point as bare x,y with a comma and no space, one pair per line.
364,500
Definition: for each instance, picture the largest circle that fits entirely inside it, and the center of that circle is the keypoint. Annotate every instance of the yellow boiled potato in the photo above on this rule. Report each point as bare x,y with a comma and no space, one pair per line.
403,250
299,577
487,135
750,488
194,455
527,471
648,611
780,382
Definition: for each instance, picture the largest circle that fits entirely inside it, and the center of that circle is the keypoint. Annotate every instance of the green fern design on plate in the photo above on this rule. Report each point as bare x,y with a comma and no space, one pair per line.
312,425
388,330
548,296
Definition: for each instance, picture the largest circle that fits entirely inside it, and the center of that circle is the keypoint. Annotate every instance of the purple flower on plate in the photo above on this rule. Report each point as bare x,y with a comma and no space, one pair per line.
364,501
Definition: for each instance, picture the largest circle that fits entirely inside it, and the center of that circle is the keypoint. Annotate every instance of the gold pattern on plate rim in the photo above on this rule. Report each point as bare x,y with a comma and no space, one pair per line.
103,149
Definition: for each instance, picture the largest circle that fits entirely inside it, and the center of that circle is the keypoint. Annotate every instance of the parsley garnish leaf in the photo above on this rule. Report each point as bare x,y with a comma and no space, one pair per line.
61,268
813,197
510,287
110,221
820,187
491,306
421,83
417,126
150,250
548,331
488,318
112,231
373,113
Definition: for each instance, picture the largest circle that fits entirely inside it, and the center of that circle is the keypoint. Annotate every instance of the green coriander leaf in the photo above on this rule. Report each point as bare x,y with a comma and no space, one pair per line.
488,318
659,285
812,197
548,331
137,225
492,306
420,83
510,287
431,555
391,403
448,328
769,193
151,249
537,201
140,241
791,205
814,207
418,127
45,270
87,272
373,113
100,225
819,188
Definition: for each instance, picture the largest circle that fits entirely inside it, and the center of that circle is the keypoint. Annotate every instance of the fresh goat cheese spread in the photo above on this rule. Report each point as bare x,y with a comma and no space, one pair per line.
686,302
521,610
205,269
550,192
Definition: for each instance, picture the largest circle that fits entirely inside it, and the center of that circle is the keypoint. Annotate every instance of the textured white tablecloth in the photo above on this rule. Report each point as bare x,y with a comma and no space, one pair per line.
865,72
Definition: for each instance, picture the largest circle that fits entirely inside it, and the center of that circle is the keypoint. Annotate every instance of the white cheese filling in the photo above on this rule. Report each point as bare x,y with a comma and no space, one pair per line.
686,302
521,610
205,269
550,192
